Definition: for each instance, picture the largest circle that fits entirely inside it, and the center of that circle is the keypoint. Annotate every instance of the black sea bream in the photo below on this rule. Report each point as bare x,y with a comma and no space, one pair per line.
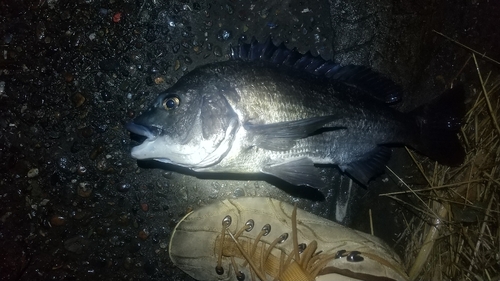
274,111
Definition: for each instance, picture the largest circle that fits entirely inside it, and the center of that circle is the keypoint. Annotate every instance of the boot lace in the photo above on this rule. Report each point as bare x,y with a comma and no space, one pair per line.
303,263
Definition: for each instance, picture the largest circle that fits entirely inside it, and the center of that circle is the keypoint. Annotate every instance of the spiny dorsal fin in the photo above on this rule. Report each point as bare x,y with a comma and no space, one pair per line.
358,76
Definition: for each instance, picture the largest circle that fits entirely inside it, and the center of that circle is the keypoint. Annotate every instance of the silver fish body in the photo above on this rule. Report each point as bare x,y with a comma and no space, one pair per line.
256,117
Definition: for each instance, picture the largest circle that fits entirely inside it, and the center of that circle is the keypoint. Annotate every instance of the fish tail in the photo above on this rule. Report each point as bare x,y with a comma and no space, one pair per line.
439,122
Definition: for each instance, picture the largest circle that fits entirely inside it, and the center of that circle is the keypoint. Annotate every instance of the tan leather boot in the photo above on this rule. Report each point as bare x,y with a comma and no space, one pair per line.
259,238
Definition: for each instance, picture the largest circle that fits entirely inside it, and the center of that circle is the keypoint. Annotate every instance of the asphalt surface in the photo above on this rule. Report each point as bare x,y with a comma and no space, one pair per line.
74,205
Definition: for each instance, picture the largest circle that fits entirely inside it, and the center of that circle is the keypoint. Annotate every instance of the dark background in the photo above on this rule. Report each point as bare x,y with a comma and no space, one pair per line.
76,206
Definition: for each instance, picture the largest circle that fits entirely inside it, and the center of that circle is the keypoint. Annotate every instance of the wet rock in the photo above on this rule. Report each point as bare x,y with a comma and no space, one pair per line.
87,132
128,263
159,80
40,30
125,86
78,99
33,173
123,187
176,48
143,234
96,152
224,35
76,147
84,189
76,244
154,238
66,165
124,219
116,241
106,96
57,220
218,51
103,165
81,170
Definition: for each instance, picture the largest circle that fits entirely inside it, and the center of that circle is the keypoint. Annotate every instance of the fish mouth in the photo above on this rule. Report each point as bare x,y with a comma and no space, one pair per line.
141,130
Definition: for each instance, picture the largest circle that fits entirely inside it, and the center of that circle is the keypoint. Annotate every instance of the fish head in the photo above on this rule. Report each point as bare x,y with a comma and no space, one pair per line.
190,125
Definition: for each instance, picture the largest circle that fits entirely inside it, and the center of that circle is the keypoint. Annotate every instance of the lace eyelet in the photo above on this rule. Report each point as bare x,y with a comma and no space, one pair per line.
240,276
249,225
354,256
283,238
226,221
302,247
267,229
219,270
340,254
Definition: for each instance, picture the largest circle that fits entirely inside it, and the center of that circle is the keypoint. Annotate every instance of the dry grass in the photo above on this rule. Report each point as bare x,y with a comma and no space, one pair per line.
456,233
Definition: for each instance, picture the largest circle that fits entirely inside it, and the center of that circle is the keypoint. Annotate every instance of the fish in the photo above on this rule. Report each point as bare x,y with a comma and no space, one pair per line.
271,110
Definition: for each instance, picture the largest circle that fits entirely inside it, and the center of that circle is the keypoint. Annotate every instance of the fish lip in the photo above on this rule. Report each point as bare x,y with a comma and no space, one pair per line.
142,130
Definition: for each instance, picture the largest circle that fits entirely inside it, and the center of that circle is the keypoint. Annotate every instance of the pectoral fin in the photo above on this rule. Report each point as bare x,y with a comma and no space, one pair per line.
282,135
297,172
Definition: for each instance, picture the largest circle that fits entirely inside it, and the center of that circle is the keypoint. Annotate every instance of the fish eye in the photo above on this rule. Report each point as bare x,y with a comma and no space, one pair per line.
171,102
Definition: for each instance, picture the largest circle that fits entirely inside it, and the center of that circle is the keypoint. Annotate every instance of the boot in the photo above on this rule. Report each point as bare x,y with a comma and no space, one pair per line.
259,238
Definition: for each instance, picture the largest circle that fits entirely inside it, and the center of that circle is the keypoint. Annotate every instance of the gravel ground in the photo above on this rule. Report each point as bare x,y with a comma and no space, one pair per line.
76,206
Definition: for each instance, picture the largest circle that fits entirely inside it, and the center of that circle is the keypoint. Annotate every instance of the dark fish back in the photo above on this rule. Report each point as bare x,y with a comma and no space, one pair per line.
361,77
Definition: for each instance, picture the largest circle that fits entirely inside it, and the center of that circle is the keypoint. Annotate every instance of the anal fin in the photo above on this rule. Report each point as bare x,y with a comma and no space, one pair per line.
372,164
297,172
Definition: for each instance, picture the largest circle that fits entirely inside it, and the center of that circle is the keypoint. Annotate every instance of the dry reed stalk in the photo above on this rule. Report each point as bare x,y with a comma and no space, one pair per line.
456,233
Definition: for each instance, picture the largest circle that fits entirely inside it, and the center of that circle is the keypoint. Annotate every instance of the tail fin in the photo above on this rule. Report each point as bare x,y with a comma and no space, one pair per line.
439,122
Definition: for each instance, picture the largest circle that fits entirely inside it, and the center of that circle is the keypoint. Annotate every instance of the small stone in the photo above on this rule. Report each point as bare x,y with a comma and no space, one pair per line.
106,96
87,132
124,86
123,187
159,80
68,77
78,99
144,207
123,219
96,152
143,234
224,35
177,65
84,190
128,263
218,51
79,215
75,244
102,165
57,220
176,48
81,170
33,173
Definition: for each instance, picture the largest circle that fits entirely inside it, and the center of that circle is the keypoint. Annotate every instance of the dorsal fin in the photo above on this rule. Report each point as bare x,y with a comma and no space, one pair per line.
358,76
